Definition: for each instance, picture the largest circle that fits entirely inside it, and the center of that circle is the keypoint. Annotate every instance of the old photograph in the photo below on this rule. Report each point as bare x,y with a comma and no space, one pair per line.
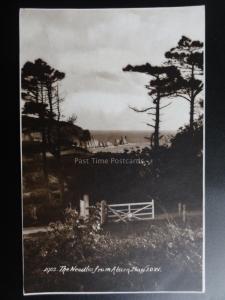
112,150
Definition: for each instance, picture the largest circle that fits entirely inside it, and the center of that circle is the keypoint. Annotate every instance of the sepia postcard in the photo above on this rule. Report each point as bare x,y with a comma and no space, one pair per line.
112,150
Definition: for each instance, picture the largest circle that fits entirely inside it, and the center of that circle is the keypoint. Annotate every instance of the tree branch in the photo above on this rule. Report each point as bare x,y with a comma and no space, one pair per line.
182,96
141,110
198,90
150,125
165,105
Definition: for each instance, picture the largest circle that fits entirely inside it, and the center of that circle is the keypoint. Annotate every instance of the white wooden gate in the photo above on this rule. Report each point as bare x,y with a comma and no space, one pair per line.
131,211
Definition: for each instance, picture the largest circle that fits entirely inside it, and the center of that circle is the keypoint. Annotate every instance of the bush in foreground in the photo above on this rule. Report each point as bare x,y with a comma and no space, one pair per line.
174,248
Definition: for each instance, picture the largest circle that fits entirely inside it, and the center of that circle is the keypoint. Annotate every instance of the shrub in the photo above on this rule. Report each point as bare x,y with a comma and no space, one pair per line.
74,237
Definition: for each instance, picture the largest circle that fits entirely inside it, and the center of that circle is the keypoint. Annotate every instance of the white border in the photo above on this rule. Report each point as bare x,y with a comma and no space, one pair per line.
203,179
21,154
203,174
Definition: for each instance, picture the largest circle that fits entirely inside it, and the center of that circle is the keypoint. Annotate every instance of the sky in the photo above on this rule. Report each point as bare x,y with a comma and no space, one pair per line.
92,46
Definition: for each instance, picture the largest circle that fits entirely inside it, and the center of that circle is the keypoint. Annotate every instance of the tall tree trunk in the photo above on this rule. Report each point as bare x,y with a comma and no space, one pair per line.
50,119
58,148
156,159
192,102
49,89
157,119
44,145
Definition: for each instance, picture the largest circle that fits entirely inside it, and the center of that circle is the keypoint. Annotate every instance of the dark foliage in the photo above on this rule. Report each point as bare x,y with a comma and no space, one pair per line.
165,82
187,56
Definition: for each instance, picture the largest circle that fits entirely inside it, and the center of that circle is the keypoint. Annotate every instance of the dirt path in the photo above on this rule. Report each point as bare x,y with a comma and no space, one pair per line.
31,230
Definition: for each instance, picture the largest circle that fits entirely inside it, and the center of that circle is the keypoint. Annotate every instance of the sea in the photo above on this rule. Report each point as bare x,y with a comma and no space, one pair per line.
131,136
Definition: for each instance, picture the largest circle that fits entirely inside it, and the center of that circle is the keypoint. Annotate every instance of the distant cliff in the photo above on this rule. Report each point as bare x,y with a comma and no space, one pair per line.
70,134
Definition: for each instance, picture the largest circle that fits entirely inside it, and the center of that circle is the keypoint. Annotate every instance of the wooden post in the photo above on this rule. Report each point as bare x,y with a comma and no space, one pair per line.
34,213
129,215
153,210
82,209
86,206
184,213
179,209
103,211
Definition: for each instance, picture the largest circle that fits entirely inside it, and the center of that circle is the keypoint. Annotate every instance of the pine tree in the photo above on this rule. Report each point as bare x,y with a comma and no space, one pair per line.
41,96
163,84
187,56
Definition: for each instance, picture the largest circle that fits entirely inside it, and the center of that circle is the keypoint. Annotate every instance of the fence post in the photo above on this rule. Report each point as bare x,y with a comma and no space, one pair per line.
34,212
179,209
82,209
153,209
103,211
86,206
184,213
